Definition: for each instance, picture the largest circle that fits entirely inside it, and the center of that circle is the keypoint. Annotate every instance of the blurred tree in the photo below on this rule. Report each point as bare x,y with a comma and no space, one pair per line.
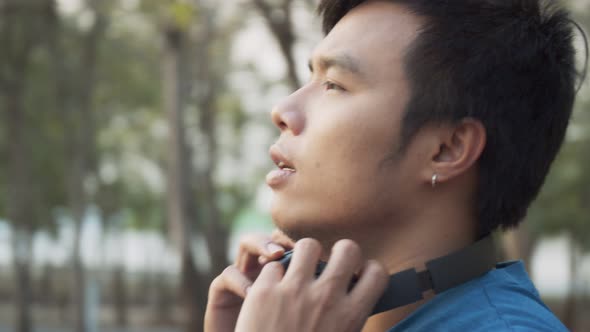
179,194
278,18
564,203
194,196
216,108
21,37
563,206
95,78
76,69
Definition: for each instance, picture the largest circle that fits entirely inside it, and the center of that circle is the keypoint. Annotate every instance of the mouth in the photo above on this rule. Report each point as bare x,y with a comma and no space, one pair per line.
280,160
286,169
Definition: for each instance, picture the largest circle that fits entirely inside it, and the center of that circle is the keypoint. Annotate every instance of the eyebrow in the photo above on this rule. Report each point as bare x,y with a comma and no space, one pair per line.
342,61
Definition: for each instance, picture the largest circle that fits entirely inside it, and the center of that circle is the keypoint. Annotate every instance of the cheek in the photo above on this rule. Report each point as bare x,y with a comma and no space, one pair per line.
341,181
353,138
343,158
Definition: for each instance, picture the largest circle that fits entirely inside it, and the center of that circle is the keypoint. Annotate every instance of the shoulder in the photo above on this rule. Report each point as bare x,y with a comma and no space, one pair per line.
503,300
513,297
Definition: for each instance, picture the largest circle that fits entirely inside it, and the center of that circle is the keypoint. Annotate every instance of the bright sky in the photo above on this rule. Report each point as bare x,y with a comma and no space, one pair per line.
69,6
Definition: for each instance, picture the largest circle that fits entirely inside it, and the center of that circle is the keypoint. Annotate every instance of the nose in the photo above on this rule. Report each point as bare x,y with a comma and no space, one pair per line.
289,115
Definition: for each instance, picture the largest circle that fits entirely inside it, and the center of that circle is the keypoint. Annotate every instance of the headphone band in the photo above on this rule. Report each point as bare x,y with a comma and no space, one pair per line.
441,274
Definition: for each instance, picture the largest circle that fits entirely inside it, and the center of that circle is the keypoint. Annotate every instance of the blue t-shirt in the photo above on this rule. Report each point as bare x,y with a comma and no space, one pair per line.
504,299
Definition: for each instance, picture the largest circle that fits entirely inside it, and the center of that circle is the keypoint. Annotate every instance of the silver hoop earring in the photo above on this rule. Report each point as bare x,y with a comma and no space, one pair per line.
434,179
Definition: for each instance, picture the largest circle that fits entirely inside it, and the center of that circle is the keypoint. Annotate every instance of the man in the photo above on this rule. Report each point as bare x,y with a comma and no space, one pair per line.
426,125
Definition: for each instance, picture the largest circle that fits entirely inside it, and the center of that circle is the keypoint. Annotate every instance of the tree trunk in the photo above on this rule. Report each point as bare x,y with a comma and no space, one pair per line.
178,196
120,296
281,28
24,295
80,140
216,233
194,302
158,301
46,288
19,25
18,202
21,245
569,310
77,204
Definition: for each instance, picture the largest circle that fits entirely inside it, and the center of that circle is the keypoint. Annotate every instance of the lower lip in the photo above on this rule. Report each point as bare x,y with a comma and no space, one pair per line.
277,177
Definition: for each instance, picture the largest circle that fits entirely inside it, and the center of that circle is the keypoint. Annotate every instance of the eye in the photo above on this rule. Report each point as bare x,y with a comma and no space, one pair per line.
328,85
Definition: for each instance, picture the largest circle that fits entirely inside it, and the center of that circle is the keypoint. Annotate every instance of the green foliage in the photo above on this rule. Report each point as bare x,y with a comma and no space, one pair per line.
129,180
181,13
564,203
178,13
26,62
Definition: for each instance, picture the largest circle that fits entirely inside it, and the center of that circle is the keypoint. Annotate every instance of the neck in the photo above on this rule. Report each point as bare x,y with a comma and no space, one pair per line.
429,235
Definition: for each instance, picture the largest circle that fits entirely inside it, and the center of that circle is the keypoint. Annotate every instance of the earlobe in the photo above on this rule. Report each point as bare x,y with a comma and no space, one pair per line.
434,180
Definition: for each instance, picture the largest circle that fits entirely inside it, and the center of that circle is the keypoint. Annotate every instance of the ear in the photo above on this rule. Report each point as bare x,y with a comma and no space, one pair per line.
460,146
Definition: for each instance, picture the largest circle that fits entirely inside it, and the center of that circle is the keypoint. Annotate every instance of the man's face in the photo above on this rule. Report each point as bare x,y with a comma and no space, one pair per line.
339,131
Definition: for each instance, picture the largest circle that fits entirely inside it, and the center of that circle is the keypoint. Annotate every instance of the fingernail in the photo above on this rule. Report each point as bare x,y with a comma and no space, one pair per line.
274,248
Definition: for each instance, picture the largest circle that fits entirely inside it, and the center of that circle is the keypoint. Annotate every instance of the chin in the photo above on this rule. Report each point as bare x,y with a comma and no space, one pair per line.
297,224
292,227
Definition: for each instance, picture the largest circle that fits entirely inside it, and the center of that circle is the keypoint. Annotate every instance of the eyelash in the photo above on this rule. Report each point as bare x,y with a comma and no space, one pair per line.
329,84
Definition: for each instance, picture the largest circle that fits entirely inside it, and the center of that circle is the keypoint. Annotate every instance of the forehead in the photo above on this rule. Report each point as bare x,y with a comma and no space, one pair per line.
376,34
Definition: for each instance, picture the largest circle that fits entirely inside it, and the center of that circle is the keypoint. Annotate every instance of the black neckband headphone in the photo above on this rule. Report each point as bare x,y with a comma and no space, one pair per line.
441,274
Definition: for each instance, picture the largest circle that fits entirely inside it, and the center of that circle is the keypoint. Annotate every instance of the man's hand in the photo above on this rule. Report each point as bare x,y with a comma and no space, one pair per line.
227,291
296,301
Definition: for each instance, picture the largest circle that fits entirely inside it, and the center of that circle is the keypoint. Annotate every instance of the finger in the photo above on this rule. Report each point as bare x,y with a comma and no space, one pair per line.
232,280
264,259
345,261
280,238
254,246
261,245
248,265
271,274
306,255
370,285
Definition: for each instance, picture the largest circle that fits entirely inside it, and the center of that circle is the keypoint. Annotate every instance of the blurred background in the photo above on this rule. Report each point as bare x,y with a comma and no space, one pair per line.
134,138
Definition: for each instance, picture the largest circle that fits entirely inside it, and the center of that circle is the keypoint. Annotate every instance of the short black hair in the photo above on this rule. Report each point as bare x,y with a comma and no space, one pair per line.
509,64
